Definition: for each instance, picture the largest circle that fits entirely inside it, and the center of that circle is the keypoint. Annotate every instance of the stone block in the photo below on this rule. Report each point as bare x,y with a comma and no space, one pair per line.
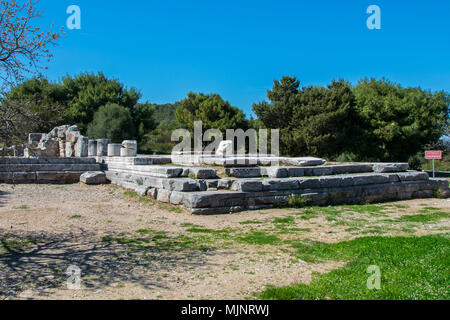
141,191
212,184
62,149
69,150
163,195
322,171
81,147
413,176
48,148
351,168
203,173
124,152
73,136
243,172
202,186
214,199
247,185
308,183
57,177
114,150
303,162
93,178
390,167
92,148
223,184
176,198
129,148
102,147
185,185
295,172
274,172
331,182
280,185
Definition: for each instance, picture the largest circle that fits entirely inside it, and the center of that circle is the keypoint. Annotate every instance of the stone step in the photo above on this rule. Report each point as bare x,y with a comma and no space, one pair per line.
284,172
228,202
243,160
48,167
61,161
162,171
139,160
257,185
51,177
170,184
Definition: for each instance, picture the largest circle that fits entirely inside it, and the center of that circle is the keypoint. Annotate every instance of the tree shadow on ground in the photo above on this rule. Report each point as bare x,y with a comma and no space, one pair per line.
40,261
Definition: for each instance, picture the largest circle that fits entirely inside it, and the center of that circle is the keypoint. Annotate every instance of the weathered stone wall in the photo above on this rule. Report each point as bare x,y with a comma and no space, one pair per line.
45,170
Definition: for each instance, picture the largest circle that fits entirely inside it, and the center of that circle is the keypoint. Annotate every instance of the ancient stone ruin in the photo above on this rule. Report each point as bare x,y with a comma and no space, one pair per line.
213,184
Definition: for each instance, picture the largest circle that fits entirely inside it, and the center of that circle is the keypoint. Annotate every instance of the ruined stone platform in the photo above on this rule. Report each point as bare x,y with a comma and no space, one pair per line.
45,170
227,189
201,191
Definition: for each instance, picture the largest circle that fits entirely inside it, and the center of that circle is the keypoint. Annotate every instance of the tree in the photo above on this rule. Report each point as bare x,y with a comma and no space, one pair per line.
41,98
23,48
23,45
321,123
312,120
142,115
112,122
398,122
86,93
212,110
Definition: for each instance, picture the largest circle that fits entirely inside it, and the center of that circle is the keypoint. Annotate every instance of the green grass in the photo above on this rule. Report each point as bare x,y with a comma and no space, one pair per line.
308,214
251,222
425,218
411,268
287,220
259,238
13,245
76,216
208,231
22,208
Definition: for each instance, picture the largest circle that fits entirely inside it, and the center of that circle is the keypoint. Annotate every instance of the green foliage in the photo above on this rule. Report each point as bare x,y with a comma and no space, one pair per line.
415,162
37,97
113,122
372,121
296,201
164,114
86,93
212,110
393,117
312,120
158,140
142,115
411,269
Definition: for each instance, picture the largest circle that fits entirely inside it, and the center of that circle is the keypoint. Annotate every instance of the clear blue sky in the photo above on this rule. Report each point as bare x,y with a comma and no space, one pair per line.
237,48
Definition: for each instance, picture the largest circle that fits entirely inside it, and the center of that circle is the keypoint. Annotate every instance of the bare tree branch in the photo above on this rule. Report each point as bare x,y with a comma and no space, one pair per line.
24,47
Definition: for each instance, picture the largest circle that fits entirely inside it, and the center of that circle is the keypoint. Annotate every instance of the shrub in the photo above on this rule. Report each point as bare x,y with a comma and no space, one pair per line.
113,122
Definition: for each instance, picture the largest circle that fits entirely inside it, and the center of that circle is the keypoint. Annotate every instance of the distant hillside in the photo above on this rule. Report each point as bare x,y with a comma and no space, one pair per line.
446,140
165,114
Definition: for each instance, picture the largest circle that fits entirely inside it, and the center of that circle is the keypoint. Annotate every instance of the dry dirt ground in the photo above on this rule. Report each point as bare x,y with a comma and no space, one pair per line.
129,247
